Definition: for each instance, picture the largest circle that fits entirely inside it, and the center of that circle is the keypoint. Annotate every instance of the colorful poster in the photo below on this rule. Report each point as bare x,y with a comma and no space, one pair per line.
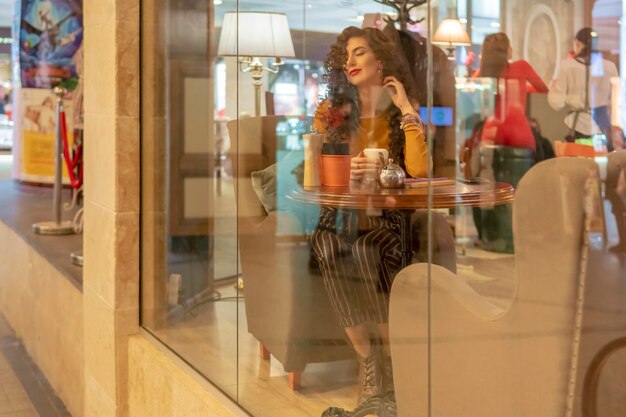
50,34
38,127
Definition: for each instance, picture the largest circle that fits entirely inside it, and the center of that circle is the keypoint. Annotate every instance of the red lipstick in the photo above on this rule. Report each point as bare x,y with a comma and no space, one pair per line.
354,72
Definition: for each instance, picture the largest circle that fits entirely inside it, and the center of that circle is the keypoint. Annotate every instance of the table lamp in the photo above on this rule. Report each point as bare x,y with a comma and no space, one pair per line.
451,34
251,35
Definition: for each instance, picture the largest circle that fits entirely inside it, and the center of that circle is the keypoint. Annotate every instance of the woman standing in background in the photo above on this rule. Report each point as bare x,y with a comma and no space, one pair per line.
509,125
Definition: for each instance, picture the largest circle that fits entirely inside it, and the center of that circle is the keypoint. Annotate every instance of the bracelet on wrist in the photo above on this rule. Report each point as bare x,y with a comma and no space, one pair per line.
411,119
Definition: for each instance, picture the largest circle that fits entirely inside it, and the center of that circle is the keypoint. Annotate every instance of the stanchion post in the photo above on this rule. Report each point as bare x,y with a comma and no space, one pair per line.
57,226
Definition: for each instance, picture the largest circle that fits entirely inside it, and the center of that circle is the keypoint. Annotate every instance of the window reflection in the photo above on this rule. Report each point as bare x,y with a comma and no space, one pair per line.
280,294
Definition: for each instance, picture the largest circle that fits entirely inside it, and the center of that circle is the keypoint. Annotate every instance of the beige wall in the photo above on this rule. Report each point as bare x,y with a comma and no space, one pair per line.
121,378
81,341
545,37
111,240
160,385
46,312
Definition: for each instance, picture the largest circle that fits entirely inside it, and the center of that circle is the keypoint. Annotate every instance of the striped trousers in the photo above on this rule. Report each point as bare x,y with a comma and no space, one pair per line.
358,266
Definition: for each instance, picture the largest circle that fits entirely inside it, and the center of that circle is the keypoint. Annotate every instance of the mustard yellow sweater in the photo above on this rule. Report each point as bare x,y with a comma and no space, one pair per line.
373,132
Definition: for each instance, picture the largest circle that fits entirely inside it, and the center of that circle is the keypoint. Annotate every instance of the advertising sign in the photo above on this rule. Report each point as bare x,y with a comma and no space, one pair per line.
48,52
50,34
38,125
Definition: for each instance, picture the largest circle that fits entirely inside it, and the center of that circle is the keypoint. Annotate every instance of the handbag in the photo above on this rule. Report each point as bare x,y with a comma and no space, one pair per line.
571,135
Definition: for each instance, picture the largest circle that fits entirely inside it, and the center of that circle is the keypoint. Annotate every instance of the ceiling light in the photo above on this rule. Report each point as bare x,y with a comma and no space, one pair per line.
217,2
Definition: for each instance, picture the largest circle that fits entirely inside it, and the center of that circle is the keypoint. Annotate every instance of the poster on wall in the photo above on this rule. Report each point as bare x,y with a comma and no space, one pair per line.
38,126
48,54
51,33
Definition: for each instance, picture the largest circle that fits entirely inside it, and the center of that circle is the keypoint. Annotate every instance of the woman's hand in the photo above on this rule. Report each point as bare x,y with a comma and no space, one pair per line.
397,93
362,166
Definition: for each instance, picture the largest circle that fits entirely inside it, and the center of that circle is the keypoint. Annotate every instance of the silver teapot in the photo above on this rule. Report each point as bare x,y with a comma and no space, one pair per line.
391,175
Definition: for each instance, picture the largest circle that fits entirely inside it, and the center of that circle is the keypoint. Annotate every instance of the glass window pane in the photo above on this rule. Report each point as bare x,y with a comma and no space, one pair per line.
487,280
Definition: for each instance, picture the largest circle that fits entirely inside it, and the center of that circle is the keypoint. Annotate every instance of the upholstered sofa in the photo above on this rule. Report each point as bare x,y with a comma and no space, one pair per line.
460,353
615,192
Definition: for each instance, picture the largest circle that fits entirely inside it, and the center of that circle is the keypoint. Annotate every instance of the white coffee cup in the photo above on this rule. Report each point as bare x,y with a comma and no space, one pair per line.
373,156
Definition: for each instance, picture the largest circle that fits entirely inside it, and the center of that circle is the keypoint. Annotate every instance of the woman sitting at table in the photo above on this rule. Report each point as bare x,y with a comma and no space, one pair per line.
359,254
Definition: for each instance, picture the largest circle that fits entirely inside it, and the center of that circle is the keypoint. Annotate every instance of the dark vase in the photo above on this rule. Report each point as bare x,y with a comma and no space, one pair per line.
335,148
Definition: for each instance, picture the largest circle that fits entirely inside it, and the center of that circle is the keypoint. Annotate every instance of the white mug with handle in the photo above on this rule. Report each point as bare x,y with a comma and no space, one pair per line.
373,156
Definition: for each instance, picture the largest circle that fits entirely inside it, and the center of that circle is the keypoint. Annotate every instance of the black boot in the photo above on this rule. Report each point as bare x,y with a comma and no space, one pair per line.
370,378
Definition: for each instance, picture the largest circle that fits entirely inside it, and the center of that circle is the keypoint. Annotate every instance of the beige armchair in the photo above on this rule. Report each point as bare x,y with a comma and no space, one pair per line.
615,192
460,353
286,305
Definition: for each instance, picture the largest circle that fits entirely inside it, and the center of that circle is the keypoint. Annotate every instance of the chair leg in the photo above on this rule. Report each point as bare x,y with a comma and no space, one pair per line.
265,354
295,381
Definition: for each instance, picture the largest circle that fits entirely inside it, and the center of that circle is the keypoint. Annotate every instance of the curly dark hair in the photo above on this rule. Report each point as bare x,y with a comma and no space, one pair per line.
341,92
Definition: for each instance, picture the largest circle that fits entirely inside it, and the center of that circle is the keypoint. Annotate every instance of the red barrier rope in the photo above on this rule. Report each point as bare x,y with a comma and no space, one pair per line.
74,162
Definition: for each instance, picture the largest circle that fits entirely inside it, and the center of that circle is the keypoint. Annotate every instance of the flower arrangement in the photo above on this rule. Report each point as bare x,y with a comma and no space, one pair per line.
337,130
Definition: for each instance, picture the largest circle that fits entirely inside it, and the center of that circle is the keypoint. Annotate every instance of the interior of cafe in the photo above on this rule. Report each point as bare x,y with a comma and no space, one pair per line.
490,277
335,208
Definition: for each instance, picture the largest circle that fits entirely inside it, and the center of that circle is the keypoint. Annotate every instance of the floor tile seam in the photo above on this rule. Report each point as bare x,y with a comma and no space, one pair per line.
8,341
45,387
35,391
41,395
29,406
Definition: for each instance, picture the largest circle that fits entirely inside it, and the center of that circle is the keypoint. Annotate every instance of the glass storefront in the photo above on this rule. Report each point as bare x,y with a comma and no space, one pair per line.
408,206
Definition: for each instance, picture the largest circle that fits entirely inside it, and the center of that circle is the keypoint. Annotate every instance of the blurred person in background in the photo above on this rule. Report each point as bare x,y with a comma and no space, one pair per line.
584,85
509,125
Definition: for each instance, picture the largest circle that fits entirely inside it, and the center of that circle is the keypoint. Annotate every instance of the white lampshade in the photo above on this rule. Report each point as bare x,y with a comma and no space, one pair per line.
451,32
260,34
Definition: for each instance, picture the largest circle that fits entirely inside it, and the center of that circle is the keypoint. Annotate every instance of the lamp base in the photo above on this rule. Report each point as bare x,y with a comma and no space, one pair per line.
52,228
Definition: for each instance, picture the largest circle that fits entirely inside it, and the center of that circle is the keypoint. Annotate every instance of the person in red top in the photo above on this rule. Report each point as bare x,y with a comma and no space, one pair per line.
508,126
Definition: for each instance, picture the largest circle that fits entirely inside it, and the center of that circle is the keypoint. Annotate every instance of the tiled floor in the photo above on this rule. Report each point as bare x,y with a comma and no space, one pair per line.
24,391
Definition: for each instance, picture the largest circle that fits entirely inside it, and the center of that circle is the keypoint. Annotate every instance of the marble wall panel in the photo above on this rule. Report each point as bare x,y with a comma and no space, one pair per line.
45,311
159,386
